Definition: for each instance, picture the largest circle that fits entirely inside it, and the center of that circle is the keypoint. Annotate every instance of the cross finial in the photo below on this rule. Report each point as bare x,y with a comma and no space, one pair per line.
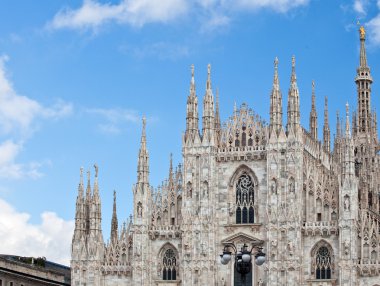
293,61
192,70
275,62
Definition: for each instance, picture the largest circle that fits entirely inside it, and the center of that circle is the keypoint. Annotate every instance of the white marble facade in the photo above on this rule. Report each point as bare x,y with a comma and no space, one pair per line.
314,209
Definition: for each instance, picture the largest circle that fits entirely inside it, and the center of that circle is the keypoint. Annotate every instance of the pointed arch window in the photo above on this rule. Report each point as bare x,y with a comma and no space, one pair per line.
169,263
323,263
245,200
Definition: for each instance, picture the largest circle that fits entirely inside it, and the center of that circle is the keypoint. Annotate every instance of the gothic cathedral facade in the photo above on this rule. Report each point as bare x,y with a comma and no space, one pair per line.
314,209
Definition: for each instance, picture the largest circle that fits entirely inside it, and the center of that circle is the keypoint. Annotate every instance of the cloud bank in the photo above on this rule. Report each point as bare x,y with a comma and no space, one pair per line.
51,238
92,14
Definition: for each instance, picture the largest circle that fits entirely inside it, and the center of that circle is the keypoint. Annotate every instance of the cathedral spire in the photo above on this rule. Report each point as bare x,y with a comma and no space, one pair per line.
208,84
79,209
293,101
348,131
81,185
338,130
192,110
338,138
326,128
96,184
217,114
171,175
348,165
88,189
143,161
208,124
374,125
363,56
114,222
363,81
276,101
313,114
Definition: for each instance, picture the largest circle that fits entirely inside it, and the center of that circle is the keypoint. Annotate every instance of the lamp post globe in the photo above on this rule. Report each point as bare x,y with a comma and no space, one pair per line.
260,260
243,258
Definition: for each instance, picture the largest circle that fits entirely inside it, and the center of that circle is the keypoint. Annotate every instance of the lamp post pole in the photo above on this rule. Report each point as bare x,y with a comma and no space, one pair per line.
243,258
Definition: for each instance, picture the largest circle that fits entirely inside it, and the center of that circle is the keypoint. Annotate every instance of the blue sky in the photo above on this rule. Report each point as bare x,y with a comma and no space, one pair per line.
77,76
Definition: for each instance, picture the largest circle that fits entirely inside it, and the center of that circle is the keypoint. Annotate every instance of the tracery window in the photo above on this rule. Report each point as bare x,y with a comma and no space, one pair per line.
169,265
245,200
323,263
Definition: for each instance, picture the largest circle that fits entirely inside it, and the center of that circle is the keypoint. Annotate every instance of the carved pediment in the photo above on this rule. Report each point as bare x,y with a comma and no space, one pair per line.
240,237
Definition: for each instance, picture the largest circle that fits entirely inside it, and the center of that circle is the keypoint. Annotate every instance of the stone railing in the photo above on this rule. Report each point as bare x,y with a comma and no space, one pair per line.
120,268
241,153
323,228
369,267
165,231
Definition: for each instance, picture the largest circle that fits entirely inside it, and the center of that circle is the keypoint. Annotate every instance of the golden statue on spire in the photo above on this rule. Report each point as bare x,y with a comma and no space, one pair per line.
362,32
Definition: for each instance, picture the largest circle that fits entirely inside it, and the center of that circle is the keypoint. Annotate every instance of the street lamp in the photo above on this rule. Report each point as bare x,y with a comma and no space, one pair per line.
243,258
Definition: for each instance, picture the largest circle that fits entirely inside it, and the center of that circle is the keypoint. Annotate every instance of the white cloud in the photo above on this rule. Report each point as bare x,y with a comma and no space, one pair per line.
114,118
51,238
10,169
18,112
359,6
374,30
92,14
214,22
18,115
281,6
134,12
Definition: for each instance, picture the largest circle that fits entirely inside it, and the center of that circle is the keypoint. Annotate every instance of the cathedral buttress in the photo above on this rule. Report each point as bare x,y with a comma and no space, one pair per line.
142,188
349,209
142,216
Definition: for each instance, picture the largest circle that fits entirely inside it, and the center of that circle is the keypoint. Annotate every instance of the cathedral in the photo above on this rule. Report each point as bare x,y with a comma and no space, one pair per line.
313,206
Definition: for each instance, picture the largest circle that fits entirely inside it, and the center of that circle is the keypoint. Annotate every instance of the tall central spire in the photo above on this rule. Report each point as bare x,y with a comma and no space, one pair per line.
363,56
363,81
